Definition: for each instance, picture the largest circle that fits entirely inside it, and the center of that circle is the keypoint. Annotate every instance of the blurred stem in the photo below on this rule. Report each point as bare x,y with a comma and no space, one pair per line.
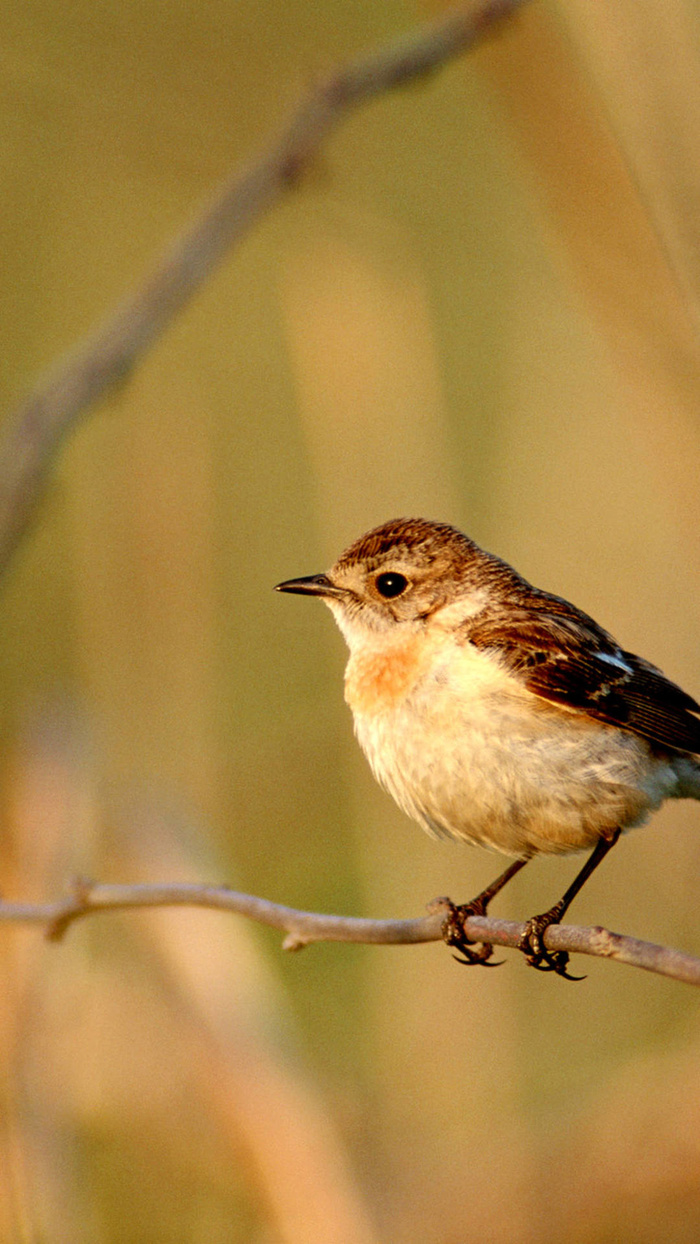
32,434
303,927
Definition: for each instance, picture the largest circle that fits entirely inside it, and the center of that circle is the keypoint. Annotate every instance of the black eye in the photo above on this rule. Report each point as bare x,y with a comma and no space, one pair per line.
391,584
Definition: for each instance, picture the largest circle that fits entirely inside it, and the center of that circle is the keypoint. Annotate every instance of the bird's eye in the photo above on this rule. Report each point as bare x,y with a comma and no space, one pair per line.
391,584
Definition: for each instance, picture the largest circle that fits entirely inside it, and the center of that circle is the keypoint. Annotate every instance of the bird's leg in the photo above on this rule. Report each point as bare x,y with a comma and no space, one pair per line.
531,942
453,932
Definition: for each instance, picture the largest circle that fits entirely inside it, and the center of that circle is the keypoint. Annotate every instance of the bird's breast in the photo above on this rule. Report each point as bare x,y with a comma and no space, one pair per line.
468,752
427,670
378,679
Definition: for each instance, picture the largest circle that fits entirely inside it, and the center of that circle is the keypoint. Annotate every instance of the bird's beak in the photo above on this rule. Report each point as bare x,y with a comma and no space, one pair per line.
312,585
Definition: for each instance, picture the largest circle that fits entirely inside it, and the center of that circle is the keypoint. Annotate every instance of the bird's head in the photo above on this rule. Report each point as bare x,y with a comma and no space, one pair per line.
403,575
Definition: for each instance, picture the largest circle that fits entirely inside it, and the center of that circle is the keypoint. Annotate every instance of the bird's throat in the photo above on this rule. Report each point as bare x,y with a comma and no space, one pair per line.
378,678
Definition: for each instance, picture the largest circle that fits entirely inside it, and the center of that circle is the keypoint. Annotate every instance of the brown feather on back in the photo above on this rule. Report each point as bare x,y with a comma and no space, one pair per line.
564,656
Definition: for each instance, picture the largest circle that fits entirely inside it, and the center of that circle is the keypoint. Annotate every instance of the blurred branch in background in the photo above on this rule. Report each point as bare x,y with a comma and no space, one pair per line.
304,927
32,434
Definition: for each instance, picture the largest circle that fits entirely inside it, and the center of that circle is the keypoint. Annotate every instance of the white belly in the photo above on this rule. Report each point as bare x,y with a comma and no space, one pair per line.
482,759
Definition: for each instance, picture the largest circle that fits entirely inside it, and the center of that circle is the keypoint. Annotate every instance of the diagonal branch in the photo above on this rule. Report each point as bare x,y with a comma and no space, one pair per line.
303,927
32,434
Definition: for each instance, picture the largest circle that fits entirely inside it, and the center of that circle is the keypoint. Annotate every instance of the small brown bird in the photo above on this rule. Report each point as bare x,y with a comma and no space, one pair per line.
500,714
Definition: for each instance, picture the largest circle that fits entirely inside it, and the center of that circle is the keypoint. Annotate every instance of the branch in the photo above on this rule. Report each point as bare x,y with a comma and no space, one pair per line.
32,434
304,927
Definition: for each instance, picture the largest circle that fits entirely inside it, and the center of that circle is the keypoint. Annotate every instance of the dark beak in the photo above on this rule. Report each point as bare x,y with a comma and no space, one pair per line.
312,585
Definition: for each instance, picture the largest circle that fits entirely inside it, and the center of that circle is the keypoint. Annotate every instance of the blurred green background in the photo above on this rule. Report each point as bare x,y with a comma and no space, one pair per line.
480,306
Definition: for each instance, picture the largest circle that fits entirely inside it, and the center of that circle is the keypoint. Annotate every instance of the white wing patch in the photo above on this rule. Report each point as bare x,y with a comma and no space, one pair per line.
618,661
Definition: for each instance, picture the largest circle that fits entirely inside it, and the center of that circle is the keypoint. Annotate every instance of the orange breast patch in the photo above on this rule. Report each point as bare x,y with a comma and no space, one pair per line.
376,680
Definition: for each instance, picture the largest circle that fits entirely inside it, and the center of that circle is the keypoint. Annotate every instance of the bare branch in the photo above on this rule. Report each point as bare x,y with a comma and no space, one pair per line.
303,927
32,434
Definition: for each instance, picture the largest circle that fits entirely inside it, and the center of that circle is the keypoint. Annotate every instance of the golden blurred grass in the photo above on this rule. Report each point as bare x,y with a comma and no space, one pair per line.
482,307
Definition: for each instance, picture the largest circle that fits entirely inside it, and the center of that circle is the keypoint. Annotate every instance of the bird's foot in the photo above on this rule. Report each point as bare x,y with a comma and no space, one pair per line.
532,945
453,933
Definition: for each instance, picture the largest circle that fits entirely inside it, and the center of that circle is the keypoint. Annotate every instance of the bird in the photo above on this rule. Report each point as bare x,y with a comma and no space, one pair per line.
498,714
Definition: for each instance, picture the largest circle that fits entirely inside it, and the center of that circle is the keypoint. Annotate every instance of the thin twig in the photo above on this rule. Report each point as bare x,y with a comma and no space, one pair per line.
303,927
33,433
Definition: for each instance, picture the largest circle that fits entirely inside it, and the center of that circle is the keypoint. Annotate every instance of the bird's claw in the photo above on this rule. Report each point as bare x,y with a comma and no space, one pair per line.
453,934
532,945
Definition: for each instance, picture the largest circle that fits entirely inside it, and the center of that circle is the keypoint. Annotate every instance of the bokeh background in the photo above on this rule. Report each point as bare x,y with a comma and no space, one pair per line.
480,306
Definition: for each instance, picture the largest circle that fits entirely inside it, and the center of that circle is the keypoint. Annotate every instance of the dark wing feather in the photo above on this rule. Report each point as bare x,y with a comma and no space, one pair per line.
563,656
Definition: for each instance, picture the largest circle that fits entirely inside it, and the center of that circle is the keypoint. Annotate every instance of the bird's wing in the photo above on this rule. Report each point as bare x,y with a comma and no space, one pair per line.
562,655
